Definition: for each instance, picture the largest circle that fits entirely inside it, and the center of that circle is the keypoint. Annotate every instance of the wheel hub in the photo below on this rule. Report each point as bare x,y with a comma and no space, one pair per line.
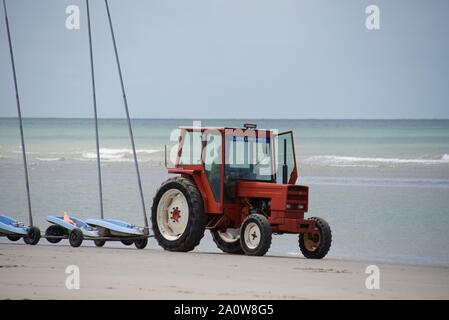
252,235
172,214
175,214
312,240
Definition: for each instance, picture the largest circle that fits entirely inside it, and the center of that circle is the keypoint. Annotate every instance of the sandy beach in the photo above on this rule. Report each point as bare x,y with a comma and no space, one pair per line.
39,272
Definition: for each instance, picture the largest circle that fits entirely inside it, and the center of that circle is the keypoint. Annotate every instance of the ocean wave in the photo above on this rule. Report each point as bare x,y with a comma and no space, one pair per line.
350,161
93,155
126,151
377,181
115,154
156,162
20,152
356,165
50,159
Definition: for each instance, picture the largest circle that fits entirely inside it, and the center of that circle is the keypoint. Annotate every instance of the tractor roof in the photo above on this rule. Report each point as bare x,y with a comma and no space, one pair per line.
222,128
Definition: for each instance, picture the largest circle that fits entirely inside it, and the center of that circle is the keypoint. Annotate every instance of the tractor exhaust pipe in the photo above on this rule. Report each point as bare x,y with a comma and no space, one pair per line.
284,166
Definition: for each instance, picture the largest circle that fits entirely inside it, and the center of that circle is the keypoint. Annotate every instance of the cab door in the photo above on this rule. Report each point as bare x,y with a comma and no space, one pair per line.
213,164
286,170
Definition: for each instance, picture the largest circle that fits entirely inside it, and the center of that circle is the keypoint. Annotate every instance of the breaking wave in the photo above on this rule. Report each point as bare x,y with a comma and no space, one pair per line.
118,155
348,161
50,159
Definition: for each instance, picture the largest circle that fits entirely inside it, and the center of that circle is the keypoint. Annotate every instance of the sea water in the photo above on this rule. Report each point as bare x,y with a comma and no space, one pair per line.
383,185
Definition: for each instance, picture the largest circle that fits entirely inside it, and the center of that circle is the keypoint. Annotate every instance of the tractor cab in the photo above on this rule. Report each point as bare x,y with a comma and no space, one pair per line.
240,183
226,156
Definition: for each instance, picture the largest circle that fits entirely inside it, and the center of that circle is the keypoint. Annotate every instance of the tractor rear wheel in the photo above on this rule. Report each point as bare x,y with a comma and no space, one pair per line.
255,235
315,245
177,215
228,241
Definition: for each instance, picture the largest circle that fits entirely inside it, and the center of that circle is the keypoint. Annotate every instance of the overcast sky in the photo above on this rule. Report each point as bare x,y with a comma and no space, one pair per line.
231,59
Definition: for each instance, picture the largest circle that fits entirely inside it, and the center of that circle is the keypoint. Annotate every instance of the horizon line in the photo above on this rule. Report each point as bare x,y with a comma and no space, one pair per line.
163,118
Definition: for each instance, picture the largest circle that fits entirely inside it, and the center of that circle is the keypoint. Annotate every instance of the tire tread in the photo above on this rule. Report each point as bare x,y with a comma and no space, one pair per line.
198,222
322,251
266,235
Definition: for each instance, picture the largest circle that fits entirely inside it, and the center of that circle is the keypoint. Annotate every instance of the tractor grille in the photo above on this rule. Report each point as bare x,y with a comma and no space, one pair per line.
297,198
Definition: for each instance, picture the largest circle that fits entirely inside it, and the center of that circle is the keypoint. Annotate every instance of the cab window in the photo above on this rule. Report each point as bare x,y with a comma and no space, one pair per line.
248,158
191,147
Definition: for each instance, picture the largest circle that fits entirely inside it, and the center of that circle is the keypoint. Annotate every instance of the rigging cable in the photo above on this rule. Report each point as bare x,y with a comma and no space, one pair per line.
97,139
136,164
19,113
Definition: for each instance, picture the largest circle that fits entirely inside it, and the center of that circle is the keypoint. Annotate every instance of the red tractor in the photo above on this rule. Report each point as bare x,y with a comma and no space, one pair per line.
240,184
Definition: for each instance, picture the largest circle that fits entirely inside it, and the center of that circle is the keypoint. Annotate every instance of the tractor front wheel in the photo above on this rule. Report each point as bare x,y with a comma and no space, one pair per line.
177,215
316,244
255,235
228,240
